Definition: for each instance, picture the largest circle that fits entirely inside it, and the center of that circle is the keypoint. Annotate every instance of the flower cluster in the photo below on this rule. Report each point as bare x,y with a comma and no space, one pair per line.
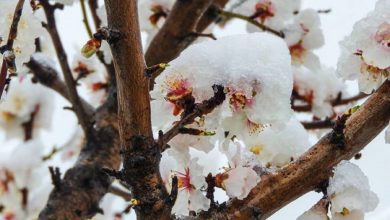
366,51
248,126
29,29
348,193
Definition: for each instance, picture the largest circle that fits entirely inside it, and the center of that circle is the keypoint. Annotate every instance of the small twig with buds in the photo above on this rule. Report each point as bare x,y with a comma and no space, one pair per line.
51,27
198,110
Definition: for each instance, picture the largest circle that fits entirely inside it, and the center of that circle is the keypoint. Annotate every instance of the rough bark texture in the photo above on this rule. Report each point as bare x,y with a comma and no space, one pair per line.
315,166
84,185
141,157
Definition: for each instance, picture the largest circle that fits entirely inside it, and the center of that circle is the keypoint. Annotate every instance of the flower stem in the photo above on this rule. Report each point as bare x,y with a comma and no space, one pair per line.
229,14
85,18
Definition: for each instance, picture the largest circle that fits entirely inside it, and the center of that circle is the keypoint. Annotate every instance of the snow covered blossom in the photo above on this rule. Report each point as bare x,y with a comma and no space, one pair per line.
303,36
248,75
29,28
25,103
273,13
350,192
277,147
366,51
318,88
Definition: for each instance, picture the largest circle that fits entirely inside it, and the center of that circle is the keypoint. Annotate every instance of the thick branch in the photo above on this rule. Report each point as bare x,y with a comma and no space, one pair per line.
48,77
140,155
84,185
67,72
277,189
175,35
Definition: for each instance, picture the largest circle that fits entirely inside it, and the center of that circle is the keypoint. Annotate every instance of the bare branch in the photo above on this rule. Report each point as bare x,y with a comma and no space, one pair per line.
320,124
336,102
51,27
263,27
119,192
48,77
276,190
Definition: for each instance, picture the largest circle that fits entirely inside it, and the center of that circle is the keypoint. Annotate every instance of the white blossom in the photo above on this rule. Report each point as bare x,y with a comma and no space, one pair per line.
277,147
303,36
29,28
365,52
190,182
313,214
239,181
350,192
318,88
25,102
273,13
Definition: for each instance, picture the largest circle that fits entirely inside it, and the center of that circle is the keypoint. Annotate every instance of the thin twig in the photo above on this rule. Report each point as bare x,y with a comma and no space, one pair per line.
119,192
320,124
85,18
93,6
10,42
199,109
51,27
335,102
48,77
263,27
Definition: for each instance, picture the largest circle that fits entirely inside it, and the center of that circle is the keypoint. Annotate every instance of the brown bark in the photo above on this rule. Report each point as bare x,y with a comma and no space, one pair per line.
309,171
141,157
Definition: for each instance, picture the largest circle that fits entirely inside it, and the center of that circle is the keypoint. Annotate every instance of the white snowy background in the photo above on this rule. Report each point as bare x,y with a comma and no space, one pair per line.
336,25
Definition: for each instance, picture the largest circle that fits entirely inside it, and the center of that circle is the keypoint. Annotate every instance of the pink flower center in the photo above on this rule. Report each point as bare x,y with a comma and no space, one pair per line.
264,10
238,100
297,52
184,180
178,88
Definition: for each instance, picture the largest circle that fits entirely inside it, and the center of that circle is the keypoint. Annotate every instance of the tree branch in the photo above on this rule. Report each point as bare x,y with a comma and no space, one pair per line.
10,42
77,106
335,102
140,154
198,110
276,190
48,77
320,124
